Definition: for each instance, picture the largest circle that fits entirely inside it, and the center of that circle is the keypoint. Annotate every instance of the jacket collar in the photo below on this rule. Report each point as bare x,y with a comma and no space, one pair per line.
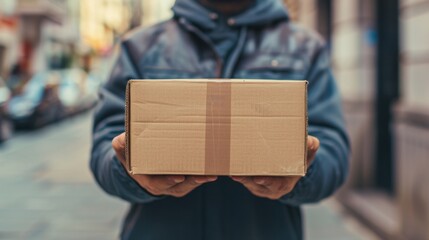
261,13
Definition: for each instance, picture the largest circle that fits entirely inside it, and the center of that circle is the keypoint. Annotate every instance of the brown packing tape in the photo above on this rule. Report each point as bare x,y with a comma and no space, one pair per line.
218,128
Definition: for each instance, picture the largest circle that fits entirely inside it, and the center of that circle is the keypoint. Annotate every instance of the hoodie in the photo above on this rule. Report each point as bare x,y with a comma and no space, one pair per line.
257,43
223,31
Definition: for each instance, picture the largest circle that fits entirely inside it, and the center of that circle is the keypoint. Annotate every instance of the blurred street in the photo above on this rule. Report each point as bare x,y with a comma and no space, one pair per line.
48,191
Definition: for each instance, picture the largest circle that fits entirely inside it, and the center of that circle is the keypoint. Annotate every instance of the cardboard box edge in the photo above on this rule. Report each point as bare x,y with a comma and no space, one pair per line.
137,171
221,80
306,127
127,127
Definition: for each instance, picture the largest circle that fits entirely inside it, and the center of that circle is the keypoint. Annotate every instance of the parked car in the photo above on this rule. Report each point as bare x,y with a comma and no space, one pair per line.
5,123
38,101
77,91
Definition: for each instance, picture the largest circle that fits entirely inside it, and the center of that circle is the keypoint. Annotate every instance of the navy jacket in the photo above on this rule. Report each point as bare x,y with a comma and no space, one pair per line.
259,43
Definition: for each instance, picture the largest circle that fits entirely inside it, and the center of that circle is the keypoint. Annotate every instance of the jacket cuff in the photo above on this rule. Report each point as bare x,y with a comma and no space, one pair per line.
131,187
301,189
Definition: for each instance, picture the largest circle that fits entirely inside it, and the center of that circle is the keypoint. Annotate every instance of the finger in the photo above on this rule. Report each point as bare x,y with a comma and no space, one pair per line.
313,145
119,141
255,181
278,186
265,181
269,187
203,179
184,188
256,189
237,178
157,184
189,184
118,144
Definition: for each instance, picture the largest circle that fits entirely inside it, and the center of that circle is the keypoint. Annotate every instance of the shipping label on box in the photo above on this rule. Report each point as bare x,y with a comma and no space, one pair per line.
216,127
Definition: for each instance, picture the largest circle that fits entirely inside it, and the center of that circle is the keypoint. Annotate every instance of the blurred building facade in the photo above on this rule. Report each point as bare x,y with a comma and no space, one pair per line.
8,35
380,56
37,22
102,22
41,35
31,31
155,11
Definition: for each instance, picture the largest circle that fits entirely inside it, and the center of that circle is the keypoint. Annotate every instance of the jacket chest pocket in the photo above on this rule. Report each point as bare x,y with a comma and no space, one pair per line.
272,66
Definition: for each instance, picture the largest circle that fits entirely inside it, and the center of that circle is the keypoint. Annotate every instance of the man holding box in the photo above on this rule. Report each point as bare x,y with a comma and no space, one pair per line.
248,39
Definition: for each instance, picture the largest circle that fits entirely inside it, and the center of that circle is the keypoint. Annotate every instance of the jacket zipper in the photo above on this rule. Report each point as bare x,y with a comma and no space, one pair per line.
219,62
233,58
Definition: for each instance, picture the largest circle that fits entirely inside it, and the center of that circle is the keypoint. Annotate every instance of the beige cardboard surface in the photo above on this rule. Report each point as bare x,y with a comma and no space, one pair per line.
216,127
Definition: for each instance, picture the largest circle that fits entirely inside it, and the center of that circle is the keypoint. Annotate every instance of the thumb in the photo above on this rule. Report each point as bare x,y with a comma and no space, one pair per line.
312,147
118,144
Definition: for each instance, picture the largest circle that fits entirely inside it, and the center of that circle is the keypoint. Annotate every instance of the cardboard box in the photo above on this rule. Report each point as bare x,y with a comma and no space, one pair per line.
216,127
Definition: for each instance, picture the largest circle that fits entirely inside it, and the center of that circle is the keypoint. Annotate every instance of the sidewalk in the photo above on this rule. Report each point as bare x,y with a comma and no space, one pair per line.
49,193
328,221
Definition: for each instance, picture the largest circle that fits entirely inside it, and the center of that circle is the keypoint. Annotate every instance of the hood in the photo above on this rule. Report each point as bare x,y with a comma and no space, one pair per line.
260,13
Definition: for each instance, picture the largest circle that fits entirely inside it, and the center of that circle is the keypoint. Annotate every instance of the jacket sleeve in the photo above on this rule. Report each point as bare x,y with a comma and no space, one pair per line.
108,123
329,169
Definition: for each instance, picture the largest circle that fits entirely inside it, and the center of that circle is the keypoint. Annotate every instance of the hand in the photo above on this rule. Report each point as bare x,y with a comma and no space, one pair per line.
176,186
276,187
